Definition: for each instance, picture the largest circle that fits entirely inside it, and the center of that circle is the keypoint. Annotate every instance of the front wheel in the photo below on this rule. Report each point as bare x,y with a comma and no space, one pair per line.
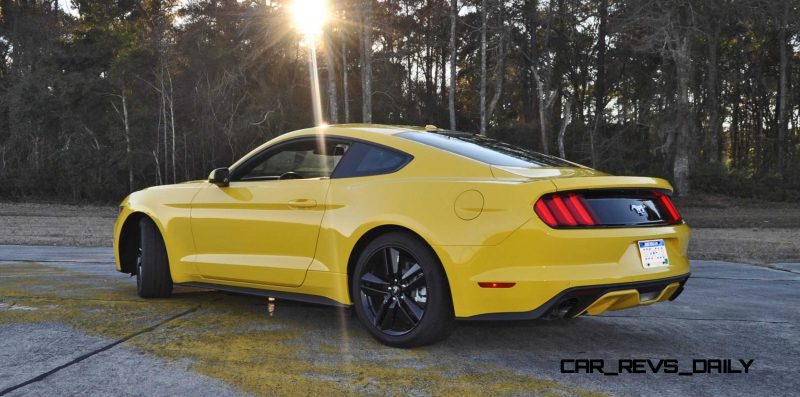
400,292
153,279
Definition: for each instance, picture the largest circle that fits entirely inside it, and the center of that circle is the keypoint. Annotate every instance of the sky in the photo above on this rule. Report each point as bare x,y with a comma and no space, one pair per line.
67,6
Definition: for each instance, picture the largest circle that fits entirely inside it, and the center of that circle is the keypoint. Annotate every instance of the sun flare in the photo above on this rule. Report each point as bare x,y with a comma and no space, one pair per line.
309,16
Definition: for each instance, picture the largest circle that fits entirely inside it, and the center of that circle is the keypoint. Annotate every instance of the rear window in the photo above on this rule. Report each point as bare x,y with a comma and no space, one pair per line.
486,150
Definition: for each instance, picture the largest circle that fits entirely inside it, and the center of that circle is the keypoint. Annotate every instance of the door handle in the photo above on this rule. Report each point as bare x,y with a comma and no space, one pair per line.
302,203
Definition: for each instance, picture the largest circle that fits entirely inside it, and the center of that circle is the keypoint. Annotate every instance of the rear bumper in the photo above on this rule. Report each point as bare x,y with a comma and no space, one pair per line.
596,299
544,263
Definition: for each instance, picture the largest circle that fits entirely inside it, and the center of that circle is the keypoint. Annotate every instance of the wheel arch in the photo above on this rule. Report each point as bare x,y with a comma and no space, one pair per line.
128,244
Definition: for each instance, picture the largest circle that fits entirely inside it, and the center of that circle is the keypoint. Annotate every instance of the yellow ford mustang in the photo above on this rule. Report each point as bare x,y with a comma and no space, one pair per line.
413,228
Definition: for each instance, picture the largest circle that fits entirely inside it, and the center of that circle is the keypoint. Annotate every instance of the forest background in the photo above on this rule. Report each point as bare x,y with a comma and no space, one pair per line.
100,98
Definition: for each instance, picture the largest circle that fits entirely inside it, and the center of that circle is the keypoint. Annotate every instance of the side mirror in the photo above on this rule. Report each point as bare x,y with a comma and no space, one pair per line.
220,177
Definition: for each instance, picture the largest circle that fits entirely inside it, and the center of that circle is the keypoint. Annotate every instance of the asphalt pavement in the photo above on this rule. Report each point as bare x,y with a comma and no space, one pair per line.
70,324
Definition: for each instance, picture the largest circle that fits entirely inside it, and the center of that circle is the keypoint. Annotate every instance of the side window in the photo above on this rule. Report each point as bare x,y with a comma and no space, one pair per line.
303,159
364,159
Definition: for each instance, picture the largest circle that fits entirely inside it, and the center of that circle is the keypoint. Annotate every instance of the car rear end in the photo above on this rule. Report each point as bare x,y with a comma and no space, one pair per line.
590,244
585,241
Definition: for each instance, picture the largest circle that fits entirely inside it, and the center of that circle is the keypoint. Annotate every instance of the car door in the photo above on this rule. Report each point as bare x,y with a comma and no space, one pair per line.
263,227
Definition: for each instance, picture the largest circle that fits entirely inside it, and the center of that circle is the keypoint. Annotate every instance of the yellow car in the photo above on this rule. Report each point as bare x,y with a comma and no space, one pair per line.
413,228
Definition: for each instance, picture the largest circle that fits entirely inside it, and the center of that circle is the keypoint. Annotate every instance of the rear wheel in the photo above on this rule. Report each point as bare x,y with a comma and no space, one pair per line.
400,292
153,279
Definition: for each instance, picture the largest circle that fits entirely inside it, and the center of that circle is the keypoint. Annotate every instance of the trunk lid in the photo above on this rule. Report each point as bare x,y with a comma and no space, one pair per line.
585,197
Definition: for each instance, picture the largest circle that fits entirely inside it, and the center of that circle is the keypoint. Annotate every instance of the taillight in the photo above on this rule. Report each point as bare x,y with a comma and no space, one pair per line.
564,209
672,212
607,208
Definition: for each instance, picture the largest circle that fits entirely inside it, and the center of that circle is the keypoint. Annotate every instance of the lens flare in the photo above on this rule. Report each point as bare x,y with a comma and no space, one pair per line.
309,17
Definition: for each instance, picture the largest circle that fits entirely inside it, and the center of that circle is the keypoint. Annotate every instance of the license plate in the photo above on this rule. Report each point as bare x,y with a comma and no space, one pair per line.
653,253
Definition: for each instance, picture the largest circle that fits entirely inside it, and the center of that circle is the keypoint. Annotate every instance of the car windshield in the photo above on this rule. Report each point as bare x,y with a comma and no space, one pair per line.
487,150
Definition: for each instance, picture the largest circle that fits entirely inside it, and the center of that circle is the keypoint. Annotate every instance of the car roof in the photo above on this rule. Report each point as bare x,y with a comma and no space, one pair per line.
354,130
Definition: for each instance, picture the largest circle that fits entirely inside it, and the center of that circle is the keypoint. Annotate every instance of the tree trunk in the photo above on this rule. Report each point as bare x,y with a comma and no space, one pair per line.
563,131
499,77
158,168
544,99
714,120
600,83
734,129
783,96
163,93
529,103
330,64
344,79
128,149
451,99
2,159
126,132
680,165
172,126
430,85
366,62
484,17
443,73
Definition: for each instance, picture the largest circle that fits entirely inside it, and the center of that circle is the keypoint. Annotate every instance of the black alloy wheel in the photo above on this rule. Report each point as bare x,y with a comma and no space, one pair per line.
400,292
393,290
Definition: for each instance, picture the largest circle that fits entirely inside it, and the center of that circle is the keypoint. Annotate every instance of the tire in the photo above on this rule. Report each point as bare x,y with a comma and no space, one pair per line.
400,292
153,279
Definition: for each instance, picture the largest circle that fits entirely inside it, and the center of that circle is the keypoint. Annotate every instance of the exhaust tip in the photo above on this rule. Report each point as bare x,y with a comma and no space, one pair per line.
563,309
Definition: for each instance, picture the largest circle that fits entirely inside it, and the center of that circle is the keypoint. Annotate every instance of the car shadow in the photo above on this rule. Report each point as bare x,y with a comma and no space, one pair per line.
577,335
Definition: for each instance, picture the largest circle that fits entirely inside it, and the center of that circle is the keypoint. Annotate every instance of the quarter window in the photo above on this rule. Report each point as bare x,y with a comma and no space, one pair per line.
364,159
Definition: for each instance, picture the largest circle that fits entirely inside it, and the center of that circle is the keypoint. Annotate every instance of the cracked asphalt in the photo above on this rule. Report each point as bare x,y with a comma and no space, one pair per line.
70,324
